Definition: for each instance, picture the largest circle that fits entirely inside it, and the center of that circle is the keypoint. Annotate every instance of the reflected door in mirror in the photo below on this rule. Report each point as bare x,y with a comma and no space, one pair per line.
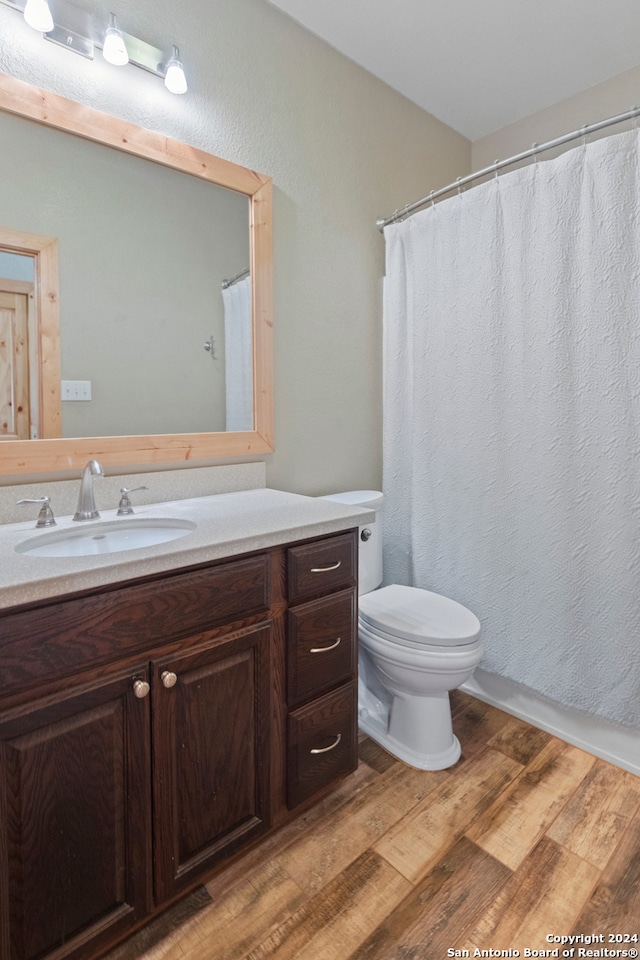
15,395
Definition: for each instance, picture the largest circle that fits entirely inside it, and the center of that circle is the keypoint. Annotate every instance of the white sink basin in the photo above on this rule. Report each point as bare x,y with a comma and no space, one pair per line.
109,536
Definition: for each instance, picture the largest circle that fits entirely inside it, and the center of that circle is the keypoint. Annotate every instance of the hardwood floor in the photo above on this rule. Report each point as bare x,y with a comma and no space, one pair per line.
525,837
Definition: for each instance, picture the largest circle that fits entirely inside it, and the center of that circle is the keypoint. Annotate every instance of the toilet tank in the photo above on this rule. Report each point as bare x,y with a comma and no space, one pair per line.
370,541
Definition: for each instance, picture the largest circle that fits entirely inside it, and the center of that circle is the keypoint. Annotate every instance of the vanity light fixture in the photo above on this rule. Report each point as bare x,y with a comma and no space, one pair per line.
175,80
114,49
77,30
38,15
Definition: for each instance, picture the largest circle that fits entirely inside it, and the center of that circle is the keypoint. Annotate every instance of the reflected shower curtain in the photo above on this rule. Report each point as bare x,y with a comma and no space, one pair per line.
238,355
512,419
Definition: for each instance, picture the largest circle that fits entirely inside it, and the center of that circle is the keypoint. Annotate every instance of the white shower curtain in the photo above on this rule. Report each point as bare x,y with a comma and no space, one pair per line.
512,419
238,353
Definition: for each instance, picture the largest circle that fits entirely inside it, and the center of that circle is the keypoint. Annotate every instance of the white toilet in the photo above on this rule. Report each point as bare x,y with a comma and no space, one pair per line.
414,646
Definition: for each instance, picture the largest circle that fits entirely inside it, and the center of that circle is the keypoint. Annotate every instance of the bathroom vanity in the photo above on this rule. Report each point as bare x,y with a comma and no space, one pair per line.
165,708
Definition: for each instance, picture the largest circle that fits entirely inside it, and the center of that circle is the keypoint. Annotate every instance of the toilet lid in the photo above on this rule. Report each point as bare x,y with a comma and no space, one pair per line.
418,616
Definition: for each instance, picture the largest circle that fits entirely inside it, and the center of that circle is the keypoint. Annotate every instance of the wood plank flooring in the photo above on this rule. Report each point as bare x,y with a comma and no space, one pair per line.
525,837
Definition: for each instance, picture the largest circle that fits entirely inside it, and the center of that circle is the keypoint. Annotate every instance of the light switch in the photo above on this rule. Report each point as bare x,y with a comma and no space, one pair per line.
75,390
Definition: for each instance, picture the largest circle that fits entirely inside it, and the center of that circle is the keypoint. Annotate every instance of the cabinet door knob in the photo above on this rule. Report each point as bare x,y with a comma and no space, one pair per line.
333,566
141,689
169,679
331,746
324,649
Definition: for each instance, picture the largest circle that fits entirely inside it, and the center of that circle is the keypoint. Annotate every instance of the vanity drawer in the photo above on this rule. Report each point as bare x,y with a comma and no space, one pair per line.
321,649
317,568
322,743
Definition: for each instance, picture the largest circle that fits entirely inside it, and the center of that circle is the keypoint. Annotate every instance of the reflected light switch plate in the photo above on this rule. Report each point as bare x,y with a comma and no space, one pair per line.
75,390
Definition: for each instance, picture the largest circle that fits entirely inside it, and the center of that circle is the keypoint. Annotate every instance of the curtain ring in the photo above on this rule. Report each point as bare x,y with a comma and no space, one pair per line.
458,179
535,147
495,172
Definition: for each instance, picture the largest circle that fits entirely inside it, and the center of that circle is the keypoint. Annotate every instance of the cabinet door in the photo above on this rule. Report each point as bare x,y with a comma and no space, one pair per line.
211,719
75,862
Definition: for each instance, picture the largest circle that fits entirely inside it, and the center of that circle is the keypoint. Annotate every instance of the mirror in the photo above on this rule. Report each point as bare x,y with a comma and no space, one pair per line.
137,337
143,253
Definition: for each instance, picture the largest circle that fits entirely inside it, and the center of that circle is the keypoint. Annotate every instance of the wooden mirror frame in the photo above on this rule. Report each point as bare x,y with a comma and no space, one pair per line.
50,455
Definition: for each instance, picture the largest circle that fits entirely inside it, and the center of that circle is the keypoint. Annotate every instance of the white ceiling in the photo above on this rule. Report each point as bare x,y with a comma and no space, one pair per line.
479,66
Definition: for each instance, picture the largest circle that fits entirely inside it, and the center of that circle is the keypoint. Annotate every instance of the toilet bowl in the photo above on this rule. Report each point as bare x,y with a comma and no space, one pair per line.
414,647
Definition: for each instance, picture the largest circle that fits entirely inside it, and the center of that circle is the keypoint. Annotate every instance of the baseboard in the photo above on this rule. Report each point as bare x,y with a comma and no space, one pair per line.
610,741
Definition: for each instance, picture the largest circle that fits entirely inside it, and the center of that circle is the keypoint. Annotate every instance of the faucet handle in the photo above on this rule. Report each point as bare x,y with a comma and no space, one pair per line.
124,507
45,517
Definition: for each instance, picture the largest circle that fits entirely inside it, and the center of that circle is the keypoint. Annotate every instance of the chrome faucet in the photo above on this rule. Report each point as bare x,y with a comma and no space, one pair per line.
86,502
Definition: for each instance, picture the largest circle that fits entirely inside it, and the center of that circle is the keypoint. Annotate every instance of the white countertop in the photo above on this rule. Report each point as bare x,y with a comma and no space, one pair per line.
228,524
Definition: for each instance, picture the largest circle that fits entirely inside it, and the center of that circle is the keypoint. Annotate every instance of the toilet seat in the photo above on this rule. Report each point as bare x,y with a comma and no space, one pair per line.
413,617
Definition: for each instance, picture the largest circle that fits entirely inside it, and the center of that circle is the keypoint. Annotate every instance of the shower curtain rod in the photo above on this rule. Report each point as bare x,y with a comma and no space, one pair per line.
501,164
238,276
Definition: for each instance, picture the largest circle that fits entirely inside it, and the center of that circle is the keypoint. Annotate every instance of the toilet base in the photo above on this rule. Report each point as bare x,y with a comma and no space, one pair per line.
439,761
434,749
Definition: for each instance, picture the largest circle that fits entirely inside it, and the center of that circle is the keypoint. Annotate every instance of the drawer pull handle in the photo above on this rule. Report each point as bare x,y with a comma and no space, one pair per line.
330,747
169,679
324,649
334,566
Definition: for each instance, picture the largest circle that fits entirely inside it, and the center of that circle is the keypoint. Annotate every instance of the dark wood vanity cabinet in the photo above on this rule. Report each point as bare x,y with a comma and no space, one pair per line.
152,730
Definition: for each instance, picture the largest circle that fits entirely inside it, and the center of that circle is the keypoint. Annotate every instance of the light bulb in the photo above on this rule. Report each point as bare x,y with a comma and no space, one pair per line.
114,50
38,15
175,80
